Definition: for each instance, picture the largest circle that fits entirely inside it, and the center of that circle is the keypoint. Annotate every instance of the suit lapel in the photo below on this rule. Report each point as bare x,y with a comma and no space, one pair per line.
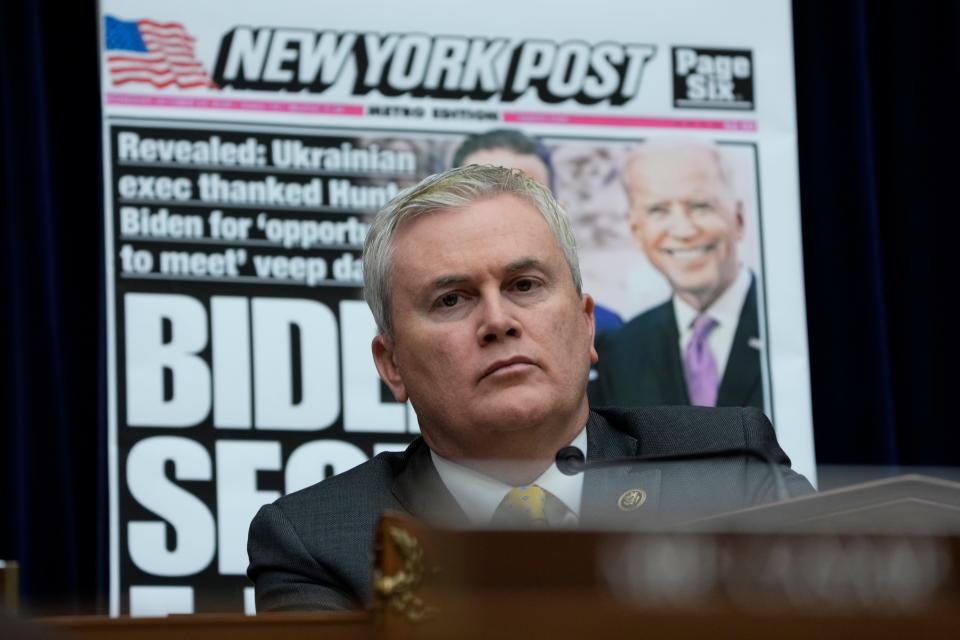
607,492
667,363
419,489
742,375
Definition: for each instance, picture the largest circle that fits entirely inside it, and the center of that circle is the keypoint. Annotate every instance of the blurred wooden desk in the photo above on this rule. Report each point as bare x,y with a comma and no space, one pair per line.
576,584
277,626
868,579
532,617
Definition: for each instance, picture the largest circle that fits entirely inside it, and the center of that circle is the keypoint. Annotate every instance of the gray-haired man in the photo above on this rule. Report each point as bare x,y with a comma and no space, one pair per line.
473,279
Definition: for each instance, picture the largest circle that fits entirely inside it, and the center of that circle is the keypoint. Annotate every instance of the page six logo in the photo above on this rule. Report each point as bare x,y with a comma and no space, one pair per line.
712,78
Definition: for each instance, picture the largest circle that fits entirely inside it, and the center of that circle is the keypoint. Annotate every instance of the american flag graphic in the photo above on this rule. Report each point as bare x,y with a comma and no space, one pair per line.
155,53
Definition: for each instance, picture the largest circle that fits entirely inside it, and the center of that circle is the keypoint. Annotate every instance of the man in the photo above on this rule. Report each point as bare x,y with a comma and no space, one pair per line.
702,346
472,277
512,149
508,148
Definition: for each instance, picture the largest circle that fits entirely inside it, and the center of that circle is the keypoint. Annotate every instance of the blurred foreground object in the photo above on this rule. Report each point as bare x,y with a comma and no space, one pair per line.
10,585
878,559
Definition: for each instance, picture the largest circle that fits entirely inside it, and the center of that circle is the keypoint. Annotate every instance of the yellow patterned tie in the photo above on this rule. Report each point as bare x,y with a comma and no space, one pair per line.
523,507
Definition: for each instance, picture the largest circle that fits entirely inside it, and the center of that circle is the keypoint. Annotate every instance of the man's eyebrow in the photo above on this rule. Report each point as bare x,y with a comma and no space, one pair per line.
522,265
517,265
446,281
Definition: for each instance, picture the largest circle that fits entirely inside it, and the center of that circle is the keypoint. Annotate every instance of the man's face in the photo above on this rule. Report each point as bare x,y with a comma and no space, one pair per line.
490,336
686,221
531,166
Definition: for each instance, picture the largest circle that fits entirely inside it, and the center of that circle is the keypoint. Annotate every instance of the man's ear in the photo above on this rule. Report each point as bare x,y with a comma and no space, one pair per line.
588,307
739,213
385,360
635,224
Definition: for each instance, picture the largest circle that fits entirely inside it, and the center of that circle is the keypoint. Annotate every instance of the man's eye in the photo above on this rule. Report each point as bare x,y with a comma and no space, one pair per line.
525,284
450,299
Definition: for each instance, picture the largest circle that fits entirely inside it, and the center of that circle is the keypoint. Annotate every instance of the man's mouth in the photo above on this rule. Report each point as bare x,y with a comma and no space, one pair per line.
690,253
507,365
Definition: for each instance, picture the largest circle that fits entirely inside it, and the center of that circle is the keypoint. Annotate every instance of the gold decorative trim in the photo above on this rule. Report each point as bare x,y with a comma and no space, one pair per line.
399,589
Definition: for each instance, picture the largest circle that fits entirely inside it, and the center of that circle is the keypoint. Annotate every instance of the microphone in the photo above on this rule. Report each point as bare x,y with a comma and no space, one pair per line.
571,461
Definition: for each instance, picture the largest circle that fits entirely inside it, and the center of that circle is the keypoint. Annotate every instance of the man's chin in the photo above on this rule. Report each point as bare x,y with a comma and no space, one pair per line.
695,287
514,411
530,407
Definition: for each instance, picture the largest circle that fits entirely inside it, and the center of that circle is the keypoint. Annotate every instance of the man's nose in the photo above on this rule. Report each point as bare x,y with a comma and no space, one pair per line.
497,320
681,222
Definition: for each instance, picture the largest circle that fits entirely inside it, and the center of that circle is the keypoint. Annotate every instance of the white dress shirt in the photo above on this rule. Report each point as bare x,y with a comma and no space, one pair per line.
479,495
725,310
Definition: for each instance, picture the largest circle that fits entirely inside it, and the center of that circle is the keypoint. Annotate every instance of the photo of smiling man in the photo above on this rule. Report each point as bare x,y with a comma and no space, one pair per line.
702,346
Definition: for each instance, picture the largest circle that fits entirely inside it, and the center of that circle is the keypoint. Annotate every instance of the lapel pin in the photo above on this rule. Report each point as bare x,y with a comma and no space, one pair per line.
632,499
755,343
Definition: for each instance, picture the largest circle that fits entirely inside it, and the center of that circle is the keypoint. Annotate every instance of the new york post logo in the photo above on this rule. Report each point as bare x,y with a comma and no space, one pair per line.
420,65
712,78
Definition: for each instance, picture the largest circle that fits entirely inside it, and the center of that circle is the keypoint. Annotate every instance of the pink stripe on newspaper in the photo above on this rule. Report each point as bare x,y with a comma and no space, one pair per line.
538,117
234,104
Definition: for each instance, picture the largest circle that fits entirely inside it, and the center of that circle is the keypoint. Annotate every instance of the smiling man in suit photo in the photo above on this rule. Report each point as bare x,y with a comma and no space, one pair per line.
702,346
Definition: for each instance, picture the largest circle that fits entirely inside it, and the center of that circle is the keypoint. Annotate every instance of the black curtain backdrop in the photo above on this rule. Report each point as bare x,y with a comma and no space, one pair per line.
878,184
878,181
52,331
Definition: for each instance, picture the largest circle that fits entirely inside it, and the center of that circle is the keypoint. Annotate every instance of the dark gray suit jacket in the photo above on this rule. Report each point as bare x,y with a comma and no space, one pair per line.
313,549
640,363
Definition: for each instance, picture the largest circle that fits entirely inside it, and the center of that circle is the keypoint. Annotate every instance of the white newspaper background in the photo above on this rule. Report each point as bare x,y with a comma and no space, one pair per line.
246,145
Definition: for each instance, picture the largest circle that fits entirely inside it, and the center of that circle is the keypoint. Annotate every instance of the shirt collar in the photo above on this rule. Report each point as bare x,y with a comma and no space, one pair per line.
725,309
479,495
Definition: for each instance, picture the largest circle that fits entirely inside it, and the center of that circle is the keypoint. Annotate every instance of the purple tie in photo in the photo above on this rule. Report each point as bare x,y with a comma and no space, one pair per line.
699,366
